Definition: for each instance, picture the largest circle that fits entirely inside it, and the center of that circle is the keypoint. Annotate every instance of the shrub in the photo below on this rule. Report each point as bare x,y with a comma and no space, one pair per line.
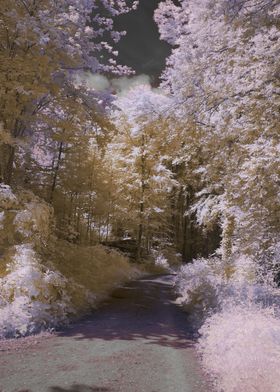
238,314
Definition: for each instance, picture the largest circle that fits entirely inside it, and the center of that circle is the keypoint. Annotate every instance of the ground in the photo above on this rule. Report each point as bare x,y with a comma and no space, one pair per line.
136,342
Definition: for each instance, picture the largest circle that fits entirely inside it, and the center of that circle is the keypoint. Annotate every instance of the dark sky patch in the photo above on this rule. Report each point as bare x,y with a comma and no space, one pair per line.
141,48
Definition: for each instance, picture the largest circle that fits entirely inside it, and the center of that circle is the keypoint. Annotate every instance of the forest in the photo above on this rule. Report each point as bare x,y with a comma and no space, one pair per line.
100,185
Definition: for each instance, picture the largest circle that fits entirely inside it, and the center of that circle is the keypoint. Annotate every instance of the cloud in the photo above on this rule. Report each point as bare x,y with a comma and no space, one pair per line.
119,85
95,82
124,83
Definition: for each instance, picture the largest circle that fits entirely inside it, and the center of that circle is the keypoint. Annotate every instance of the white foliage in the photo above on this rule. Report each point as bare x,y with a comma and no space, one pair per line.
240,334
34,297
2,217
34,220
141,105
31,297
207,209
37,293
7,198
160,260
223,77
200,286
240,346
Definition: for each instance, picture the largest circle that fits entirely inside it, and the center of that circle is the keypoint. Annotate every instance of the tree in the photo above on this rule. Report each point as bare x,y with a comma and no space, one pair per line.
43,44
138,155
224,80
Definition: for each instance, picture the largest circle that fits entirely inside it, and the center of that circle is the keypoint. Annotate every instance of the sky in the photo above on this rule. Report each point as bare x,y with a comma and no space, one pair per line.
141,48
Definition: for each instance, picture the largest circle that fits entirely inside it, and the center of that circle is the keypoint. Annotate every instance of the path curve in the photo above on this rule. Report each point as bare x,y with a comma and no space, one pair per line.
137,342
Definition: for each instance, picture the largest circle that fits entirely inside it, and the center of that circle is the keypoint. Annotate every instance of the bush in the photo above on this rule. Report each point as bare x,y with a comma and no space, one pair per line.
32,297
239,322
45,282
96,270
240,347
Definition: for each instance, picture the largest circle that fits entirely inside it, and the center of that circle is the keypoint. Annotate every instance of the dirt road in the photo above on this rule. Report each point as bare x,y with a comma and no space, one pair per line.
137,342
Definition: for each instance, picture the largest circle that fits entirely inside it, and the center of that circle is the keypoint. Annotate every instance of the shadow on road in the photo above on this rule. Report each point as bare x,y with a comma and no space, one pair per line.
80,388
75,388
144,310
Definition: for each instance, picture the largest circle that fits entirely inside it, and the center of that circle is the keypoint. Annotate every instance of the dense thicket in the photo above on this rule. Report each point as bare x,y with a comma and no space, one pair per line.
53,128
223,75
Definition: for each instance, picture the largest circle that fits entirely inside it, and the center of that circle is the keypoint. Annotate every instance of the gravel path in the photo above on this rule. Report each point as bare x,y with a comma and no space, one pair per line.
137,342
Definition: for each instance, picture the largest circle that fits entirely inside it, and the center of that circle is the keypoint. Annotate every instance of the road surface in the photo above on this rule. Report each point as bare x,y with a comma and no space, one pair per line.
137,342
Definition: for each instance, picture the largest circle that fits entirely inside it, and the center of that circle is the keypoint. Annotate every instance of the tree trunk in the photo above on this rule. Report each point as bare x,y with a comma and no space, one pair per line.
141,209
7,163
56,169
140,233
